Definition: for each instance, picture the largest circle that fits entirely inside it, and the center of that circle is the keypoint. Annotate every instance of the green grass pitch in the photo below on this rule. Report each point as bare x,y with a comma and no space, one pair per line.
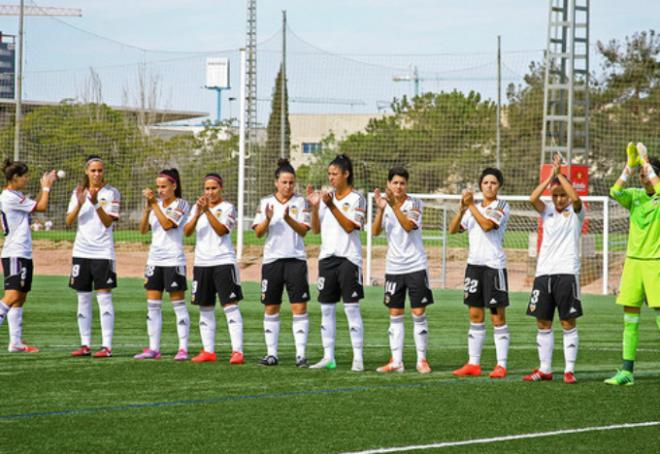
50,402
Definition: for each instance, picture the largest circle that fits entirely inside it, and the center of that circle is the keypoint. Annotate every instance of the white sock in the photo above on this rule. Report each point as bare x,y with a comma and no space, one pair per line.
207,327
545,341
421,331
107,315
501,336
300,328
328,329
85,317
154,323
476,338
396,333
356,328
182,323
15,322
235,326
3,311
571,342
271,333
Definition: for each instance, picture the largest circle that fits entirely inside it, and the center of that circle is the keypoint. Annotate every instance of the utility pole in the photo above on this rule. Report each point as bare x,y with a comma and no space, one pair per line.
499,101
21,11
283,153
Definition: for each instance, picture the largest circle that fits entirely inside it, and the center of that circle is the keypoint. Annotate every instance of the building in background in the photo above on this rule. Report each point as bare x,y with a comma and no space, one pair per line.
309,130
7,65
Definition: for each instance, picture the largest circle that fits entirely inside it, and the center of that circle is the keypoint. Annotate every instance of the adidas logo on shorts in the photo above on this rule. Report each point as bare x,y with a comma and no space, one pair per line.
304,295
425,300
174,285
233,295
354,295
109,281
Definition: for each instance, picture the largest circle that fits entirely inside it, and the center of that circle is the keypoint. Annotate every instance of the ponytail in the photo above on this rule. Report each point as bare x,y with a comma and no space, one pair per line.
173,176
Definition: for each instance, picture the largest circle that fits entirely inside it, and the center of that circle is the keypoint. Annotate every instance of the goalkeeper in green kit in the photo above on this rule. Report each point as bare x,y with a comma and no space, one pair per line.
641,271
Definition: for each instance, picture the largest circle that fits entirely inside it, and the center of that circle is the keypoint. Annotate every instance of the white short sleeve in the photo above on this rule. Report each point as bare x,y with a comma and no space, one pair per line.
111,206
356,211
260,215
303,215
500,214
415,212
73,202
228,218
19,203
178,212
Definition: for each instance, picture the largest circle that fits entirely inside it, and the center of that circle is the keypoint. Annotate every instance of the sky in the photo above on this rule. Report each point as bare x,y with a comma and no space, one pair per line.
390,35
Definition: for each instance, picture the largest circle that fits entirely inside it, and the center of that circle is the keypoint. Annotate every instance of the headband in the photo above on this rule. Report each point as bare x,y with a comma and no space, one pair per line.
90,160
213,177
164,175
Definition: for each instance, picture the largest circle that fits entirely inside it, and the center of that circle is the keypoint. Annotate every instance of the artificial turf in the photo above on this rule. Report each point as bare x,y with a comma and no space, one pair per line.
51,402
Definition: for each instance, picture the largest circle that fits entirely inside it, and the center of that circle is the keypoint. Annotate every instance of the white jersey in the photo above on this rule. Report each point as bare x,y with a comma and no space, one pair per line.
560,247
93,239
334,239
16,209
212,249
486,248
405,250
167,245
282,241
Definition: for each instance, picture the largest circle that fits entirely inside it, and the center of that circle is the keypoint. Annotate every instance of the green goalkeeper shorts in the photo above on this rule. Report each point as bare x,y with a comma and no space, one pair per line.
640,281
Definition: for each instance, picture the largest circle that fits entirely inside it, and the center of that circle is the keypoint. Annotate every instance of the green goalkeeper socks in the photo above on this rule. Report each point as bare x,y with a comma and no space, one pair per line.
630,339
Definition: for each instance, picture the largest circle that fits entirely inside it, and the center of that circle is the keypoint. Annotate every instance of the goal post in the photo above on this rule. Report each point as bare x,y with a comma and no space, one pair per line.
602,245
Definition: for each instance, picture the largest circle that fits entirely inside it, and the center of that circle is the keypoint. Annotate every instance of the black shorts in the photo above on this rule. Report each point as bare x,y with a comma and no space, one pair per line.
417,284
168,278
100,272
18,273
339,278
485,287
560,291
291,273
211,280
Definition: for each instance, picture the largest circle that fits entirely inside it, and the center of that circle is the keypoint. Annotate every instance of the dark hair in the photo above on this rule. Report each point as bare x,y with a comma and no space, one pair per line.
284,166
88,160
174,175
397,172
14,168
215,176
497,173
655,163
344,163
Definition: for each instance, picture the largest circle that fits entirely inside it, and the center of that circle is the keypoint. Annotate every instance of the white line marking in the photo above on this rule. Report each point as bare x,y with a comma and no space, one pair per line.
477,441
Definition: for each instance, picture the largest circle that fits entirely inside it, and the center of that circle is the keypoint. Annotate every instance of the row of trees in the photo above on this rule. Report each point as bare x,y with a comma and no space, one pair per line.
444,139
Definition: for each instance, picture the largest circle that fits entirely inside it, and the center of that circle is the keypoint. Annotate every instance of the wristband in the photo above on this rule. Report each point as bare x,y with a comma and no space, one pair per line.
45,189
650,173
625,174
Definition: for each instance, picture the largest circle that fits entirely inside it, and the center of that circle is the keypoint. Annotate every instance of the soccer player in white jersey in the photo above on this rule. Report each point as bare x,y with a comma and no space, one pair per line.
557,281
339,217
485,283
284,218
95,205
17,248
166,264
405,271
215,271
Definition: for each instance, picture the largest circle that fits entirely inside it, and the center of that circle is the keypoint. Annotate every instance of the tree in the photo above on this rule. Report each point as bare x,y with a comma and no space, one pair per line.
273,149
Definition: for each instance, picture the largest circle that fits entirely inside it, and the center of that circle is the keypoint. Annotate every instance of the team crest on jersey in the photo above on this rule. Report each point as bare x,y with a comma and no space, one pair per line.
566,213
293,211
103,202
218,214
345,206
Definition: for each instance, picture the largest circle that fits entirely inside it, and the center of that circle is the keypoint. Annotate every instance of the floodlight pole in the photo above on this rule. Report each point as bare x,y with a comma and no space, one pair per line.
19,85
283,152
241,155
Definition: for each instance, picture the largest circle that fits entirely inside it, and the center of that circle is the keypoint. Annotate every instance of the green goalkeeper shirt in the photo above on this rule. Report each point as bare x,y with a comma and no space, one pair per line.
644,234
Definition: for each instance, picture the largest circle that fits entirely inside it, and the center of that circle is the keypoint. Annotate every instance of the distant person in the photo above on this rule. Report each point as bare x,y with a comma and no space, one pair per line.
405,270
165,216
17,248
486,284
48,225
339,216
94,204
284,218
36,225
640,281
215,270
557,281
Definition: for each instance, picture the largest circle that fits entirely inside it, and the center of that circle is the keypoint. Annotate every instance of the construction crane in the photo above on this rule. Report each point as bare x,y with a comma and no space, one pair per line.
21,11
